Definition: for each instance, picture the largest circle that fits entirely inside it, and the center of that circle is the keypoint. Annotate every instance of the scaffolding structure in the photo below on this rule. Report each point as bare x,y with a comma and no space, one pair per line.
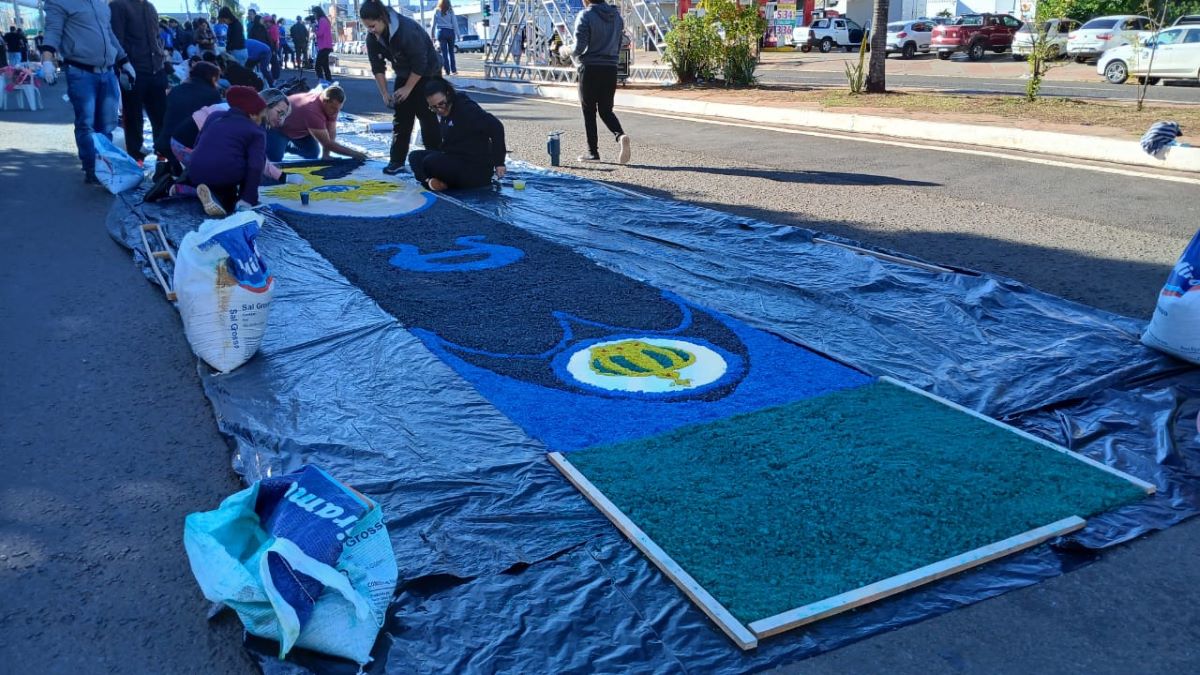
532,41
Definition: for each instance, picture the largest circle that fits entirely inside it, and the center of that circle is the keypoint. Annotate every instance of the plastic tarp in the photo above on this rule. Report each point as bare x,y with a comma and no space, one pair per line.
505,567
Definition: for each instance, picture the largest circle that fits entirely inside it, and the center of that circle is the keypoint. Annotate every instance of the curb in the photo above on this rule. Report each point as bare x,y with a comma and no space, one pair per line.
1075,146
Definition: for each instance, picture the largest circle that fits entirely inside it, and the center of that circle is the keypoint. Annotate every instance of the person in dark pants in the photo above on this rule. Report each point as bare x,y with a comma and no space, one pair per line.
598,32
445,31
324,39
300,42
135,23
472,142
79,32
404,43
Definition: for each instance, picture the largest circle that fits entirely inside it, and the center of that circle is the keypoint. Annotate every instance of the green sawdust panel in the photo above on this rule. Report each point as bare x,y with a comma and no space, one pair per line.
773,510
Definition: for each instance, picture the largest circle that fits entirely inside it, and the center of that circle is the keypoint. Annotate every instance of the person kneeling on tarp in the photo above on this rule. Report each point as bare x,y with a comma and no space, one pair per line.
472,142
227,165
184,136
311,128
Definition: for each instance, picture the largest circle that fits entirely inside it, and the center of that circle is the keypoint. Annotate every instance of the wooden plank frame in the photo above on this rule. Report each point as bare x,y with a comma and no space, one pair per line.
821,609
747,637
733,628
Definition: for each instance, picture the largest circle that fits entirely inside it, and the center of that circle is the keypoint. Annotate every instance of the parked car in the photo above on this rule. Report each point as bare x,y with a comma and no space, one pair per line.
825,34
1172,54
1187,20
1107,32
909,37
975,34
469,43
1057,31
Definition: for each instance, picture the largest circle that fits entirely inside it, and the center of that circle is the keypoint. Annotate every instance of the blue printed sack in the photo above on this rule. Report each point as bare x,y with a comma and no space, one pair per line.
1175,326
224,289
302,559
115,169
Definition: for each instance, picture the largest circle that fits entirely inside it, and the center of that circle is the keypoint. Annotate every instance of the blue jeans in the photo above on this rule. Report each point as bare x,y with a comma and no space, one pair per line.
278,145
95,97
446,40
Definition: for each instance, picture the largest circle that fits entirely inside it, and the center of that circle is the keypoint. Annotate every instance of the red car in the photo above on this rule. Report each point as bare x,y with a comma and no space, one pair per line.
975,34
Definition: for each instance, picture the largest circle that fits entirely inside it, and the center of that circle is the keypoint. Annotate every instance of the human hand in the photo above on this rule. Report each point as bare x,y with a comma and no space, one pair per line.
49,71
500,171
243,206
402,93
129,71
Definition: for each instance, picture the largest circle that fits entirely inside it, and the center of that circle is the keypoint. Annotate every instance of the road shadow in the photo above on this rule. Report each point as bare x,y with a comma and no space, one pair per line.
1088,280
786,176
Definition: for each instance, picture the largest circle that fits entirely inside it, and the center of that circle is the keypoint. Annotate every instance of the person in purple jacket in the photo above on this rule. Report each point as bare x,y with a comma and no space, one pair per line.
231,151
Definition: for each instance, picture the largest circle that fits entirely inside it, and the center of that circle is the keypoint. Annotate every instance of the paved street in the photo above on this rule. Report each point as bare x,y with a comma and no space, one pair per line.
995,74
109,442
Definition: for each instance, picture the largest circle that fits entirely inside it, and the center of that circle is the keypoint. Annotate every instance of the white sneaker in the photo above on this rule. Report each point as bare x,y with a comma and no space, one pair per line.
211,207
589,157
626,151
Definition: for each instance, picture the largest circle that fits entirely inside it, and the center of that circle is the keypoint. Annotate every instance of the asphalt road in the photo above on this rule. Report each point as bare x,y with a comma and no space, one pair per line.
789,74
108,441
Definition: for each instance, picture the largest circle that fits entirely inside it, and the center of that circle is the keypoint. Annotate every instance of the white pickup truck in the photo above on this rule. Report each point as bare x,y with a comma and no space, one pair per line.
825,34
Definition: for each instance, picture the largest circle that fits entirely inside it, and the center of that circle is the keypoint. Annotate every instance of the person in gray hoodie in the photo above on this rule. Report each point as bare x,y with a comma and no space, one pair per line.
80,33
598,33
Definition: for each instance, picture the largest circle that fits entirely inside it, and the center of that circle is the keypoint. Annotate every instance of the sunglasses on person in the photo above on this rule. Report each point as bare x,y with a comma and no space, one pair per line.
439,106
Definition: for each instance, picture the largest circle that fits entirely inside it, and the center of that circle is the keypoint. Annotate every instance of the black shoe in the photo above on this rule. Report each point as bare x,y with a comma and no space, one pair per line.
160,189
89,178
393,168
161,169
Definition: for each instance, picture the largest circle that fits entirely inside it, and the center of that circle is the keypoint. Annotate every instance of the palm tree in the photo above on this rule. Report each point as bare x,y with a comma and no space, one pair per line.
876,79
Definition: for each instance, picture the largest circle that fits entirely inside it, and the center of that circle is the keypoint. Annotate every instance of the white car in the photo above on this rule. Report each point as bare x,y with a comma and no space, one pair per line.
1173,54
469,43
909,37
1057,31
1107,32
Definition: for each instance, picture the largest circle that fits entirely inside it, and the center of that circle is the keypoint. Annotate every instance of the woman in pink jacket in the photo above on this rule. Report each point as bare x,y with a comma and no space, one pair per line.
324,39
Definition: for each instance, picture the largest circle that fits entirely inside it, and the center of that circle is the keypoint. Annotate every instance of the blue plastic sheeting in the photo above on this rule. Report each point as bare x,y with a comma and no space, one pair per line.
505,567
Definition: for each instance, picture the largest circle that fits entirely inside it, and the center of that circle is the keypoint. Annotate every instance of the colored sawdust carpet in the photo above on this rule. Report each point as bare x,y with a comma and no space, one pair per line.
776,509
575,353
345,188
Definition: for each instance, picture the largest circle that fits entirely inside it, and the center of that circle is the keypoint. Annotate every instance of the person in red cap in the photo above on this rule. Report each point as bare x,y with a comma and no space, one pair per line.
227,163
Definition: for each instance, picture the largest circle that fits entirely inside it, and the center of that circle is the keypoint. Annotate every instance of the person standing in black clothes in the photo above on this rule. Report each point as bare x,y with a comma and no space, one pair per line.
135,23
472,142
300,43
404,43
598,32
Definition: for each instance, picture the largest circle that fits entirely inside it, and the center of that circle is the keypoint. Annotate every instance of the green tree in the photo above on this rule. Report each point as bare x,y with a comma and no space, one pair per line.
1044,52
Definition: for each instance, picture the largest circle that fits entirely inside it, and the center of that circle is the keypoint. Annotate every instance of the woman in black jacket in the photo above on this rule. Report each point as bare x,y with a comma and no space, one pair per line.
235,43
403,43
199,91
472,142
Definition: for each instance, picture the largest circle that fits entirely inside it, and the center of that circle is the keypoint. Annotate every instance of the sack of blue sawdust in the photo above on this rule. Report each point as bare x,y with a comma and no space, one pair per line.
224,288
115,169
302,558
1175,326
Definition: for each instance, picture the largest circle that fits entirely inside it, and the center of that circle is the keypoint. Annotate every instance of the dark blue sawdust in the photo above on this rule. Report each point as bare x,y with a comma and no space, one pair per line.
506,329
776,509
